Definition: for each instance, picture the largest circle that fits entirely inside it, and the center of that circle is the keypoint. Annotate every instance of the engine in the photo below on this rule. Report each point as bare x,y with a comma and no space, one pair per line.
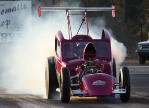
89,56
89,66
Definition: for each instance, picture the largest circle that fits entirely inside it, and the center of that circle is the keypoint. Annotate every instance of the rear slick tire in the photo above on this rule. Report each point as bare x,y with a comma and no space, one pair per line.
124,80
65,85
50,78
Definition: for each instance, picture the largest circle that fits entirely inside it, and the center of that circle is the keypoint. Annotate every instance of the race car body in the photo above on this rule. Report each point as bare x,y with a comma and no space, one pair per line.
84,66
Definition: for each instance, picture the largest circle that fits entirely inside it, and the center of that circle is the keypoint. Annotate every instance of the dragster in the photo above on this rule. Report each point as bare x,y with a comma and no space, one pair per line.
84,66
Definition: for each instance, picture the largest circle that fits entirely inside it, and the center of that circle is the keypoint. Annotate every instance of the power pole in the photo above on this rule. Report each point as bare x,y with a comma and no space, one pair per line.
124,7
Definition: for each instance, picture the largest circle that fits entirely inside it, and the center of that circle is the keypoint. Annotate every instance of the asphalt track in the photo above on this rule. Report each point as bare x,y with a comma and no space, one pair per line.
139,75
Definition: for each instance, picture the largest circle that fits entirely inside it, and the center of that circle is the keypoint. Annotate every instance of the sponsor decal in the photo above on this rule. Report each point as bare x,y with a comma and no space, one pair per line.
12,17
15,7
99,83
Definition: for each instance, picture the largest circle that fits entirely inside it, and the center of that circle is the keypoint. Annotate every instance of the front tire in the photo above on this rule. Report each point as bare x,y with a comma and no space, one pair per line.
65,85
114,68
124,80
141,60
50,78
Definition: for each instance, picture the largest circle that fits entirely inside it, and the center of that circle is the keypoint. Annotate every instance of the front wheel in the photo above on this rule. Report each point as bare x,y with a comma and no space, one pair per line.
141,60
124,80
114,68
65,85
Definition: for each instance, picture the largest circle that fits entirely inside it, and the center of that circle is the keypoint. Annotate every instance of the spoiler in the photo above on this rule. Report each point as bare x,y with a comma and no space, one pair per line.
76,9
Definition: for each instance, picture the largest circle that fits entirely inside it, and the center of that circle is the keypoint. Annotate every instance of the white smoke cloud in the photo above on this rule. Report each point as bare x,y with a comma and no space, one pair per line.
118,48
24,64
25,68
119,53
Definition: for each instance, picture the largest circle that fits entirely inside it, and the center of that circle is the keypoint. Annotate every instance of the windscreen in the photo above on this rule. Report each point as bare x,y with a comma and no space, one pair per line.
75,49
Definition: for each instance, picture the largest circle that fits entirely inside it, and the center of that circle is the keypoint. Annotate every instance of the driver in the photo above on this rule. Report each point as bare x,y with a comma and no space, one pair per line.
78,49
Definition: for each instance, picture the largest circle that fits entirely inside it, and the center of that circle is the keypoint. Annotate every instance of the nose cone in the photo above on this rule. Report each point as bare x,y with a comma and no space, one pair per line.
89,52
98,84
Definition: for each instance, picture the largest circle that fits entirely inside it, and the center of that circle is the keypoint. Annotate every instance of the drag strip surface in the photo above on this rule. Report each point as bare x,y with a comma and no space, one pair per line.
139,96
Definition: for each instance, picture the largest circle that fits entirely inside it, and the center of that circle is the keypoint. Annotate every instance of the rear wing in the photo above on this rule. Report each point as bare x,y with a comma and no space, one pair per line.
76,9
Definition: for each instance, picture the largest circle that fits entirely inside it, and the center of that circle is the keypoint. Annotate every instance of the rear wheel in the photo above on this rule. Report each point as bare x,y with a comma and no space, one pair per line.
65,85
141,60
50,78
124,80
